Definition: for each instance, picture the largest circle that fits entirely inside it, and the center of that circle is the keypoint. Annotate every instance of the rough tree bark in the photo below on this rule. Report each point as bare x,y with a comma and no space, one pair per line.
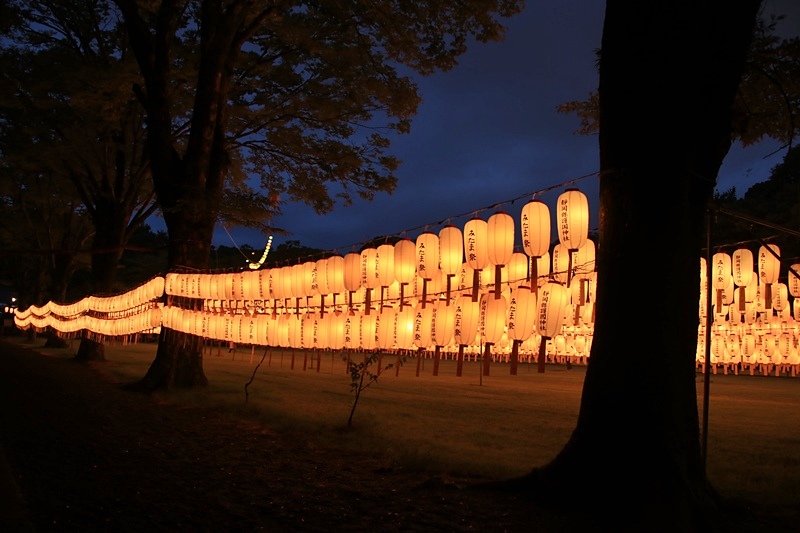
668,75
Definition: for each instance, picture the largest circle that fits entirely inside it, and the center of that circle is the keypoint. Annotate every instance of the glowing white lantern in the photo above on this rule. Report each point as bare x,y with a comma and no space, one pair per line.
466,320
499,243
423,325
572,219
475,243
769,266
492,317
451,254
369,270
500,238
385,265
405,261
404,328
427,254
561,263
553,299
451,249
583,260
336,330
794,280
535,228
517,270
334,274
367,331
780,296
321,274
442,323
352,272
352,330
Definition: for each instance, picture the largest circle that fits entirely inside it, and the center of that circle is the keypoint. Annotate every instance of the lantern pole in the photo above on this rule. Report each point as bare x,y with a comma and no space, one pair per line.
706,366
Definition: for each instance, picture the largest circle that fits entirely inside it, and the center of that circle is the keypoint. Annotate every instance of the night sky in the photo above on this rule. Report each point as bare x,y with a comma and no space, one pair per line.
487,136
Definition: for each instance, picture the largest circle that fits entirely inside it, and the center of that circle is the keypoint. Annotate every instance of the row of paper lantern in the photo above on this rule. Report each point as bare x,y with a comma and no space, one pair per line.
465,323
483,245
303,280
143,295
742,277
751,348
146,321
496,322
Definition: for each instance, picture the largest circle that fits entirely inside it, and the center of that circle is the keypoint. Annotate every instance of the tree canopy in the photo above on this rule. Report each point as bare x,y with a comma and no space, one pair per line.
767,100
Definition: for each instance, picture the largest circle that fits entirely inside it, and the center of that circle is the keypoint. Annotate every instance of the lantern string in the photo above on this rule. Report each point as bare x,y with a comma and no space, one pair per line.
234,243
474,213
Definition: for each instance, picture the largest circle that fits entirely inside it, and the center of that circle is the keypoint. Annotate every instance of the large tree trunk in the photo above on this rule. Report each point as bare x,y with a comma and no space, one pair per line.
668,75
179,358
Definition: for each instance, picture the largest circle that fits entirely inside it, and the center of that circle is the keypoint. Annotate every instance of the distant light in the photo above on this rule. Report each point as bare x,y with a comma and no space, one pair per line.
255,266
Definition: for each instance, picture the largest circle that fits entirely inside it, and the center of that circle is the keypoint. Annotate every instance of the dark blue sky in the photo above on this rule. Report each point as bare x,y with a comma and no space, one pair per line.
488,133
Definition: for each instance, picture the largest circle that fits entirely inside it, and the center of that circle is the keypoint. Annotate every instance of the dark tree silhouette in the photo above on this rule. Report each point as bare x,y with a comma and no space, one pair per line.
669,73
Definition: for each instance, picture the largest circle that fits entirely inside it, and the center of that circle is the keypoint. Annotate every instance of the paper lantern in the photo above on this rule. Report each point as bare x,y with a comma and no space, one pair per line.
321,275
385,328
780,296
492,317
334,274
367,330
442,323
336,330
517,270
535,228
721,262
385,264
465,278
404,328
405,261
294,329
262,327
572,219
561,261
352,330
314,333
540,270
793,284
769,263
451,250
553,299
287,278
769,266
475,243
466,320
500,238
276,283
352,271
742,267
369,270
521,313
310,285
583,260
422,325
427,254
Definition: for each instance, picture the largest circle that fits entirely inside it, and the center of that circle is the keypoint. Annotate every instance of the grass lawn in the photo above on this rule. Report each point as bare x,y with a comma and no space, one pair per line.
497,425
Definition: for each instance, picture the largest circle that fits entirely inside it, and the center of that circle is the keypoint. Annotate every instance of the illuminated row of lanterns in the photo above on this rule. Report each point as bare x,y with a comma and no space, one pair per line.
147,320
455,290
143,295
